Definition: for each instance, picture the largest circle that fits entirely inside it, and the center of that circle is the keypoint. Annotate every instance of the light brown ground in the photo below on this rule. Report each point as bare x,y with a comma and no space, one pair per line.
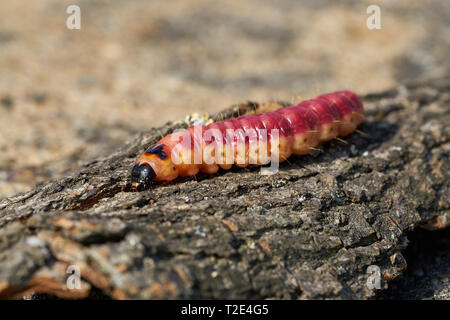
70,95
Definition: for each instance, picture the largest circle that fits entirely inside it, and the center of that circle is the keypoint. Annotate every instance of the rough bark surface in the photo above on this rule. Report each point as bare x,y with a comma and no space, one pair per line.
309,231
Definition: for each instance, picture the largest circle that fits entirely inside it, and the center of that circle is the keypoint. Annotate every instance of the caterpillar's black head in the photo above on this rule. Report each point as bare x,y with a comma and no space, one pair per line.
142,176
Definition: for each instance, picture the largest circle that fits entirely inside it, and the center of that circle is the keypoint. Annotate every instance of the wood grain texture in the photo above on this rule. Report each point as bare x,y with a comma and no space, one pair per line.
310,231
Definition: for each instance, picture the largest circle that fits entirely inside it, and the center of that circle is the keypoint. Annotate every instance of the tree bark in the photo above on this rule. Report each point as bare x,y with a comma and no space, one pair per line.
309,231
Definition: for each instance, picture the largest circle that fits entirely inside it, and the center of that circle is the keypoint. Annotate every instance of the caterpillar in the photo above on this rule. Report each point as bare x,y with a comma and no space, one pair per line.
250,139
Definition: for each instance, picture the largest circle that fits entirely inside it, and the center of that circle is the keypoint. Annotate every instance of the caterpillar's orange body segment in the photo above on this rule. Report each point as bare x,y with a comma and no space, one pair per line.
255,139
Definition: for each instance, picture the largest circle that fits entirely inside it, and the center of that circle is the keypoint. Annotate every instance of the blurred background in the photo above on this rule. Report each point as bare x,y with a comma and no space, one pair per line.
67,96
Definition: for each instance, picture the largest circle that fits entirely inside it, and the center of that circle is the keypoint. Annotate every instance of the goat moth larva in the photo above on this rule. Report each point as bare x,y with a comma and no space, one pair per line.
251,139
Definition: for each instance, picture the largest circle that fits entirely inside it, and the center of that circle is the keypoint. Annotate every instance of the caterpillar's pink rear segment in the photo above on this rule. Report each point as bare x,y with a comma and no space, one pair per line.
292,130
